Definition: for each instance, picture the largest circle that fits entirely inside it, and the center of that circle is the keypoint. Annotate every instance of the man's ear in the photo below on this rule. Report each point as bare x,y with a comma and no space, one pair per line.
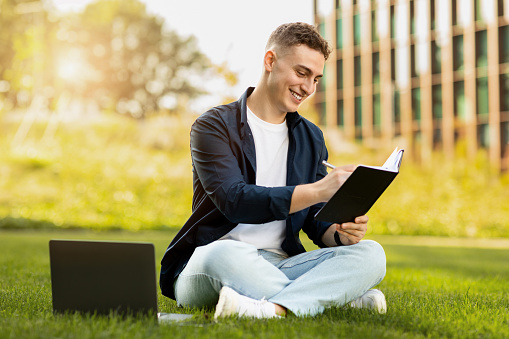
268,60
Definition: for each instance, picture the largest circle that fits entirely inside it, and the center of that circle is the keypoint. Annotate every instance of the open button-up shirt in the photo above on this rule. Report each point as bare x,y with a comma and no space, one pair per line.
225,193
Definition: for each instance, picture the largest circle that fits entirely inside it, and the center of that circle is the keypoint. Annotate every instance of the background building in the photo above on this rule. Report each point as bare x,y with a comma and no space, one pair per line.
431,72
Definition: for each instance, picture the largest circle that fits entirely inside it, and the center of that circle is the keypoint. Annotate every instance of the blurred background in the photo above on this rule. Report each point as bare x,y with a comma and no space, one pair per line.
97,99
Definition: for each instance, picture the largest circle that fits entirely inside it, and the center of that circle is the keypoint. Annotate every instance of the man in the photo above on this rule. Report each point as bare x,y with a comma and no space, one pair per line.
258,181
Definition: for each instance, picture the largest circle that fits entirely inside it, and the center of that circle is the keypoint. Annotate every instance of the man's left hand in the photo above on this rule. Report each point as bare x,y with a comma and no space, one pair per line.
352,232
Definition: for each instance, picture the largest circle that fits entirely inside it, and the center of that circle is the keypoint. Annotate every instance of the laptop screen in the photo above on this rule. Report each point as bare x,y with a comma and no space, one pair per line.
101,277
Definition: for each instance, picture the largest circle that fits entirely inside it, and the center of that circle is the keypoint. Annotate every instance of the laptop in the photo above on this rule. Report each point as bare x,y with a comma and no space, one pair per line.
103,277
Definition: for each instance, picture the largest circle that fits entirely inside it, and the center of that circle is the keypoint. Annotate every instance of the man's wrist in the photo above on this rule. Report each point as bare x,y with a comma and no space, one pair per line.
337,239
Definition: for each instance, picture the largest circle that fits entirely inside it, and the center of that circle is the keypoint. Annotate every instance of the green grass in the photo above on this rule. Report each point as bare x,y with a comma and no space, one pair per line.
432,292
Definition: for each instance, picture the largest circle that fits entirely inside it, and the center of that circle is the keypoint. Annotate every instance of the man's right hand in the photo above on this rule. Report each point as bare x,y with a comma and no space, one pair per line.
329,185
320,191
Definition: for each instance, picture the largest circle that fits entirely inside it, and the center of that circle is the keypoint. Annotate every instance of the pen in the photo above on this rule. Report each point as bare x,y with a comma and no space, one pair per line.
328,165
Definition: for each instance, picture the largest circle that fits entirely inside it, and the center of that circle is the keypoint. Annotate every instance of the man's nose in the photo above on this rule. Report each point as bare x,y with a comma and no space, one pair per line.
308,87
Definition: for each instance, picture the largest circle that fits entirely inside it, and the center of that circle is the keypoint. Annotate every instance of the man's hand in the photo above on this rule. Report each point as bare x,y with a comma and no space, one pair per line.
350,233
330,184
321,191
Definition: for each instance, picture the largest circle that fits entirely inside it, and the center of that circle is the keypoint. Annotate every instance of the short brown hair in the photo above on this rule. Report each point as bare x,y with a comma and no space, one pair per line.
299,33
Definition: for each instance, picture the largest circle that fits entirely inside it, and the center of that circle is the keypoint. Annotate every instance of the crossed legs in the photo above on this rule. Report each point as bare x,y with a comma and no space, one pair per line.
305,284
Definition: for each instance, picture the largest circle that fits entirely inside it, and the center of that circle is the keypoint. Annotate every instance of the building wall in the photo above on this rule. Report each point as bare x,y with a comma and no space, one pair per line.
427,72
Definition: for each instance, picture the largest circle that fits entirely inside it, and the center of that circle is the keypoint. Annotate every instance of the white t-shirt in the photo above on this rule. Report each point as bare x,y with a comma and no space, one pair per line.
271,145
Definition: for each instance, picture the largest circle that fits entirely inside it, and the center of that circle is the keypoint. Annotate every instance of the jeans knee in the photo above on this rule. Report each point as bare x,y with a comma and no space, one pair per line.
221,255
375,255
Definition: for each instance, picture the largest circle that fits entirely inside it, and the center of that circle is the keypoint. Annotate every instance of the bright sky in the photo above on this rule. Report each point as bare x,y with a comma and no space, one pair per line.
234,31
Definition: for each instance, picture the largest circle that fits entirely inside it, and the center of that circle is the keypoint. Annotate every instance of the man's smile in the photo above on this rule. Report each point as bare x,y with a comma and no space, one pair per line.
296,95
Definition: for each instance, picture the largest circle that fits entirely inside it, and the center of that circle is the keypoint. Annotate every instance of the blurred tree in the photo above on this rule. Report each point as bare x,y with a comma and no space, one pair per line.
22,54
126,59
113,53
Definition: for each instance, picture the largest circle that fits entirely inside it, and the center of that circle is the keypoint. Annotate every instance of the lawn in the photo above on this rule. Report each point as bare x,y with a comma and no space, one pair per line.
432,291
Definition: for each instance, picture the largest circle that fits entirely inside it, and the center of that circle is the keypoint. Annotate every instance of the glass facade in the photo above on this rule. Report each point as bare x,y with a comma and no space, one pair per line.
428,74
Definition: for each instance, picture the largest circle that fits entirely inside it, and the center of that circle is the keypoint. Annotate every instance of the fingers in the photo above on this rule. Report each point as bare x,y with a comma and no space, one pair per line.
353,232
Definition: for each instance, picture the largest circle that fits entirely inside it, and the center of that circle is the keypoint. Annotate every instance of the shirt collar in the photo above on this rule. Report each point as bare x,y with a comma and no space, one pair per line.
292,118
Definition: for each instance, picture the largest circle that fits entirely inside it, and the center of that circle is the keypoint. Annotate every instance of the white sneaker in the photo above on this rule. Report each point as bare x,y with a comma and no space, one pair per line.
373,299
232,303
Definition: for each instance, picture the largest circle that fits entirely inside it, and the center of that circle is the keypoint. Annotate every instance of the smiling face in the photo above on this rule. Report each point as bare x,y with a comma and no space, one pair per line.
292,76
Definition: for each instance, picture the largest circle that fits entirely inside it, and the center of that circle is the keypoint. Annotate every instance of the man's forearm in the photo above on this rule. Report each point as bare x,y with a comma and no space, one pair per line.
303,197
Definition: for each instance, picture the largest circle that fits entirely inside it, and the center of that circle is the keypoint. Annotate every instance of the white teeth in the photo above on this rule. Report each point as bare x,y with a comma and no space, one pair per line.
298,97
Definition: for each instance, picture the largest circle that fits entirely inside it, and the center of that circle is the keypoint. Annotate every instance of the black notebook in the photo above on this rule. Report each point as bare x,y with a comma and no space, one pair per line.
360,191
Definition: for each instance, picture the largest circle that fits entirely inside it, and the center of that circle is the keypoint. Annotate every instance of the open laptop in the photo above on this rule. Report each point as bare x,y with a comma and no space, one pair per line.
103,277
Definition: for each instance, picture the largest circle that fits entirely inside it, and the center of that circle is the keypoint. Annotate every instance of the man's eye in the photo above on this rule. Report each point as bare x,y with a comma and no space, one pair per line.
301,74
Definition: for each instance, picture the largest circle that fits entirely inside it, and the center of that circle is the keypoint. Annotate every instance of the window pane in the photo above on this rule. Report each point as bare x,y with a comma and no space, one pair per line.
358,117
357,29
437,101
339,33
322,109
432,14
397,107
457,46
357,70
339,73
454,13
459,100
481,49
340,118
393,64
321,28
482,96
503,39
483,135
436,61
504,92
322,81
412,17
413,62
416,104
376,67
478,10
374,26
393,22
358,111
377,112
505,133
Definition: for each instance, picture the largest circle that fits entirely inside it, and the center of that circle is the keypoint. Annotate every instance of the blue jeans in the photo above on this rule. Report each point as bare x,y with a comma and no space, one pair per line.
305,284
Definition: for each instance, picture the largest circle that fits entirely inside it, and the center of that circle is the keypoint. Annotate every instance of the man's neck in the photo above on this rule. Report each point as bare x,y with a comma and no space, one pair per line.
263,108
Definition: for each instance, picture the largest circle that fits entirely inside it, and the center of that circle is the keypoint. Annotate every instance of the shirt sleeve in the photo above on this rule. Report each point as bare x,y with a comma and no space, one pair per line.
218,168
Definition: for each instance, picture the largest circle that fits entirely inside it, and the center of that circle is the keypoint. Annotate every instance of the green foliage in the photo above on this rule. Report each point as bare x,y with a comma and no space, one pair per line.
116,173
432,292
112,174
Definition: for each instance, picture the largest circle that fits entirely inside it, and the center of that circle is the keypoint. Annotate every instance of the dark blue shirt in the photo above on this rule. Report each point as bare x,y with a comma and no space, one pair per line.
225,190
